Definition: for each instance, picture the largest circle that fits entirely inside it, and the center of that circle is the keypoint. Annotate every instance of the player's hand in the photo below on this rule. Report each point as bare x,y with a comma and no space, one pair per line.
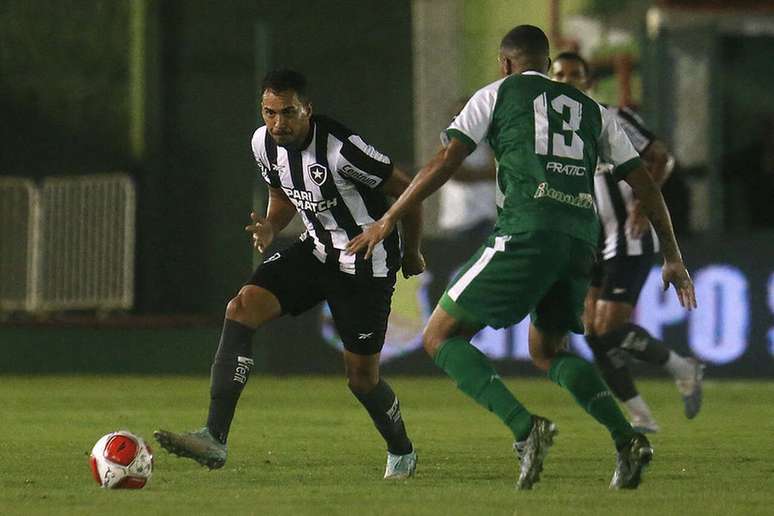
413,263
676,274
372,235
636,222
262,230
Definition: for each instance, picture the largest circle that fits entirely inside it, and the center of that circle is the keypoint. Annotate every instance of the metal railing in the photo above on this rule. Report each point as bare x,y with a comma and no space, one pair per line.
81,241
19,208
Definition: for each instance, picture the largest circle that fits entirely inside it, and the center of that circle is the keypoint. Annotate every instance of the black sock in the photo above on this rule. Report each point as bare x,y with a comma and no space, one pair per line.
383,407
230,370
636,341
614,368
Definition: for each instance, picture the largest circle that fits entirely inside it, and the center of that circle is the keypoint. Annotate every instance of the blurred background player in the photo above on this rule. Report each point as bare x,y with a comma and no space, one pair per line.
338,184
547,138
467,212
629,247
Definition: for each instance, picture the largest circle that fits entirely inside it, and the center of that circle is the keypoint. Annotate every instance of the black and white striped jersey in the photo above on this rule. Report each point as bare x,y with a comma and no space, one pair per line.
614,198
333,182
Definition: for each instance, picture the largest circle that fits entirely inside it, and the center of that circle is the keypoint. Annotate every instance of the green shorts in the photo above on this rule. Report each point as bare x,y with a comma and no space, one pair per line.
542,273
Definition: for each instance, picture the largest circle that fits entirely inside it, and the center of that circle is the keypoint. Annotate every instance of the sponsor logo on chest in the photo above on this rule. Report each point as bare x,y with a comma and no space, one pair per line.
304,200
567,170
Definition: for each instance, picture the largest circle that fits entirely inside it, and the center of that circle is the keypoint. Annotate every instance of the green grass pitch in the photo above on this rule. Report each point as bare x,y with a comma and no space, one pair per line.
304,446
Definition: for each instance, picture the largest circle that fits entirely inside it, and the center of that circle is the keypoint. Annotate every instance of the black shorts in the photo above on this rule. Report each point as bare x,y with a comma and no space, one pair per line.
622,277
359,306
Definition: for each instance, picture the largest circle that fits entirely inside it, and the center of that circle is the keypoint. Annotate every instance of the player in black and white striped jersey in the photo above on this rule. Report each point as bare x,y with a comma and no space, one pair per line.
628,249
339,185
625,229
332,183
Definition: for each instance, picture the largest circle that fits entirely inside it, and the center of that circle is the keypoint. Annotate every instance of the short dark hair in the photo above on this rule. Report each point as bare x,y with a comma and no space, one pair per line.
526,39
284,79
574,56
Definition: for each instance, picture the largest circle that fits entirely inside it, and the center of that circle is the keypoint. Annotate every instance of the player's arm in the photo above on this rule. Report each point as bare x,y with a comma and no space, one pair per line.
467,130
659,166
657,158
473,174
279,213
428,180
652,204
413,262
616,148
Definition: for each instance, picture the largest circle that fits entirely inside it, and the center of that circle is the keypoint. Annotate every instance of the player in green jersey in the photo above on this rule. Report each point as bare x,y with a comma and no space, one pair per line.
547,138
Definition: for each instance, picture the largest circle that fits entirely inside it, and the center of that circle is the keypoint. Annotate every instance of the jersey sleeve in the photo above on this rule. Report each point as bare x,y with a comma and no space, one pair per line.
634,127
258,145
615,147
362,163
472,124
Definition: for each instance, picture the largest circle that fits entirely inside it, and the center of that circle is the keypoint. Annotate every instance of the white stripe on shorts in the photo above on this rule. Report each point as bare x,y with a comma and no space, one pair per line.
471,273
499,244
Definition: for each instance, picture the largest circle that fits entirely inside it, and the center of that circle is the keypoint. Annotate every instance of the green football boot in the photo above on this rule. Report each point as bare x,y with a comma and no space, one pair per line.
533,451
200,446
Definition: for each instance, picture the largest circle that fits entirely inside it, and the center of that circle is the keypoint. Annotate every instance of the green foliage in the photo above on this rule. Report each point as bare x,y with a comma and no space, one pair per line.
305,446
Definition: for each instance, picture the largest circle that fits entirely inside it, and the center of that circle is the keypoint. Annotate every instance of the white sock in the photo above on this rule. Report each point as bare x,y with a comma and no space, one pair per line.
678,366
638,408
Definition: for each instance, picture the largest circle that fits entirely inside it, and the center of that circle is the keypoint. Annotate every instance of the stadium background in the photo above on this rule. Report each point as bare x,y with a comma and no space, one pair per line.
165,91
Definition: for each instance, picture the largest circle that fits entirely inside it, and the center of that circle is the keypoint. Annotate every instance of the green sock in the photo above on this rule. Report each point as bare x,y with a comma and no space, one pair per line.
589,390
476,377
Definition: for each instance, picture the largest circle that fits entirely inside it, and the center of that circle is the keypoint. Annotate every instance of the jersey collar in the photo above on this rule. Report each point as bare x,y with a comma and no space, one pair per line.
533,72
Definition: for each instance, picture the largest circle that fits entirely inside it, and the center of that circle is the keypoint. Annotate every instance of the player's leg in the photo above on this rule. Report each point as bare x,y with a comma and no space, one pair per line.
231,367
360,308
614,361
491,290
616,334
614,366
547,348
283,283
447,341
381,403
233,361
558,312
589,310
277,286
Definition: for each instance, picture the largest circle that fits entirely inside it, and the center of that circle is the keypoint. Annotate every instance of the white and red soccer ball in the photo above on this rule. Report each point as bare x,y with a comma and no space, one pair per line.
121,460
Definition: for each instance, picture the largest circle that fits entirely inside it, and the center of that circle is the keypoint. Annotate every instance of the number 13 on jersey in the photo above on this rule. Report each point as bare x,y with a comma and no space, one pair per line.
559,139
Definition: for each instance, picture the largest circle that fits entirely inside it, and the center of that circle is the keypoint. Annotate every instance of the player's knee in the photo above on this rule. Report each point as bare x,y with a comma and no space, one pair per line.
239,305
431,341
542,362
602,326
611,316
544,346
362,380
249,306
234,308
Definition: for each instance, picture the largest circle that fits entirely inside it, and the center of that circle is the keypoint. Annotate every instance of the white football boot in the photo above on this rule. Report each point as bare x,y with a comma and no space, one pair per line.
400,467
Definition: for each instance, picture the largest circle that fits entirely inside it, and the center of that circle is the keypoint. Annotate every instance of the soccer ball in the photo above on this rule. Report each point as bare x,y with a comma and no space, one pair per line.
121,460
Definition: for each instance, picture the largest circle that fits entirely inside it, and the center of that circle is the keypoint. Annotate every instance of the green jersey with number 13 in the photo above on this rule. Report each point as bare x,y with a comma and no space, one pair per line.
547,138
